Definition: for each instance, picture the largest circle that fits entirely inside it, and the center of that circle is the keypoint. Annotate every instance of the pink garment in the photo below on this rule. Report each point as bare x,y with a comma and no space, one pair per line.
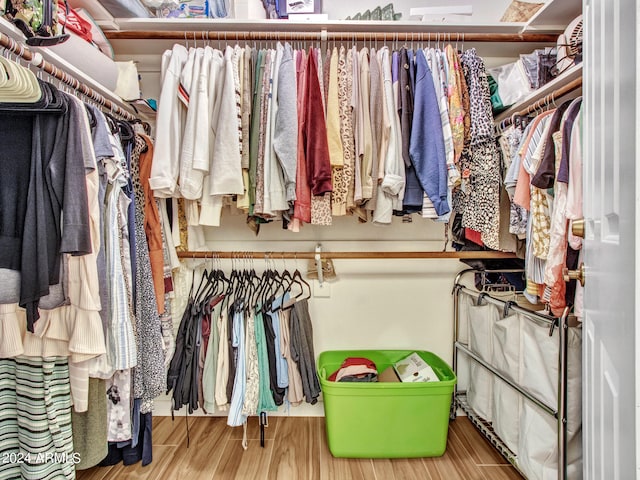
295,392
557,258
353,366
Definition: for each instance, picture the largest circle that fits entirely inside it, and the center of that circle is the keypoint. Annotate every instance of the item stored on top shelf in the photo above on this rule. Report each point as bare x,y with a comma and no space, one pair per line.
37,20
385,13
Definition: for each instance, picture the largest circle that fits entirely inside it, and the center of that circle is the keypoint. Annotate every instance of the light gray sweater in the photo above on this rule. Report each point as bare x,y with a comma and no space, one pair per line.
285,139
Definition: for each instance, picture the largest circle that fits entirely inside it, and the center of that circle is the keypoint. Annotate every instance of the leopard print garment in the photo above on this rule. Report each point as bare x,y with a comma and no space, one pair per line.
349,142
343,175
480,98
466,104
479,197
321,210
149,374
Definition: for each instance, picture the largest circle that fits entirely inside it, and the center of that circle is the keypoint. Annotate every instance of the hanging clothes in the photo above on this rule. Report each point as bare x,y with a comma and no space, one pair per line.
148,378
302,206
427,149
378,146
479,203
302,352
318,159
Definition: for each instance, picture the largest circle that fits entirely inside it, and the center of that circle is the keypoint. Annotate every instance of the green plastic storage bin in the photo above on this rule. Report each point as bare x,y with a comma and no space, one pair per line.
386,420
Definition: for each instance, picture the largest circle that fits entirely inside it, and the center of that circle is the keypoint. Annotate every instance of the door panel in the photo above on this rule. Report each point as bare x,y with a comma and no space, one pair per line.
609,390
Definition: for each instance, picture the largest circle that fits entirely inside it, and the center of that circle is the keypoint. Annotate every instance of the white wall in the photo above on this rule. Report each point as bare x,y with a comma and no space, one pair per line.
373,304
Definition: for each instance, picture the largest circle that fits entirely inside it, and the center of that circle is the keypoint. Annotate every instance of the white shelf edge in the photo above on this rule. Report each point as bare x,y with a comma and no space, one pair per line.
534,25
10,30
194,24
568,76
538,14
106,25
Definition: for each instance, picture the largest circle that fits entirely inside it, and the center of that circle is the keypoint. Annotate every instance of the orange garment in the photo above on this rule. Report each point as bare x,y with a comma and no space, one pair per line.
152,226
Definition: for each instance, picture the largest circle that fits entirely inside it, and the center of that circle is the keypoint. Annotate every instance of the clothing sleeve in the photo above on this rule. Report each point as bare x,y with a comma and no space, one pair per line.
165,168
226,169
285,139
426,148
317,149
76,234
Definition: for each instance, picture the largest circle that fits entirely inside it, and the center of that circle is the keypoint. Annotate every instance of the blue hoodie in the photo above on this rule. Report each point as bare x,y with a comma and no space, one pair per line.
426,146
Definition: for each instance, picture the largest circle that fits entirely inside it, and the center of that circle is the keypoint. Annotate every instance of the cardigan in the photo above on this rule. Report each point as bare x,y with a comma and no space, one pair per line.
376,107
414,193
196,122
427,147
366,167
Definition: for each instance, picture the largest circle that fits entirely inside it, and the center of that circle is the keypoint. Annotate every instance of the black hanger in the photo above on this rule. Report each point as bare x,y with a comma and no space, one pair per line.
112,122
51,101
286,280
127,134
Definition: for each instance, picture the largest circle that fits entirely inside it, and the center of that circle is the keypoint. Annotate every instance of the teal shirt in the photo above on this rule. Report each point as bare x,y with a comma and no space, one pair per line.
266,402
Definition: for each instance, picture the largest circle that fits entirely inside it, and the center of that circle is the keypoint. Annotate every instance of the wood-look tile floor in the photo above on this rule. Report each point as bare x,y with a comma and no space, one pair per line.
296,449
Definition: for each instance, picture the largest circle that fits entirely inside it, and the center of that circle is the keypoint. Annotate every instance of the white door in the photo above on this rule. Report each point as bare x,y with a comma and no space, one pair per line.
609,139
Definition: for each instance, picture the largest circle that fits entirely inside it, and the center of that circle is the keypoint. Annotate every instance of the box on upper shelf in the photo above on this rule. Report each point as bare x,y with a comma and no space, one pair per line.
285,8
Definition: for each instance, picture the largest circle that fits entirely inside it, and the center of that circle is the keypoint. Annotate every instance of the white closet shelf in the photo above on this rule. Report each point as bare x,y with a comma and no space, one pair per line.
556,14
574,73
49,55
203,25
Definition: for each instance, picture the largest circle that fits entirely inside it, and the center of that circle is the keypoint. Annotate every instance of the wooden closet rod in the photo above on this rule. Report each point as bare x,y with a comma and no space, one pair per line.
420,37
36,60
480,255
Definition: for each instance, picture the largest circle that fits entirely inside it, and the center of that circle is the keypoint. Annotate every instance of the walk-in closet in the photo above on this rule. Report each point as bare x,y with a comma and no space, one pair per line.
230,229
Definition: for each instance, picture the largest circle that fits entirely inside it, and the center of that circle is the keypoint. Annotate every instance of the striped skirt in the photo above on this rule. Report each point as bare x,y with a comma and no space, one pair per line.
36,441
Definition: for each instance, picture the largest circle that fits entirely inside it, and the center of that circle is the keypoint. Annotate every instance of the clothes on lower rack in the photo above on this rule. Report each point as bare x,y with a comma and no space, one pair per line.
244,345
